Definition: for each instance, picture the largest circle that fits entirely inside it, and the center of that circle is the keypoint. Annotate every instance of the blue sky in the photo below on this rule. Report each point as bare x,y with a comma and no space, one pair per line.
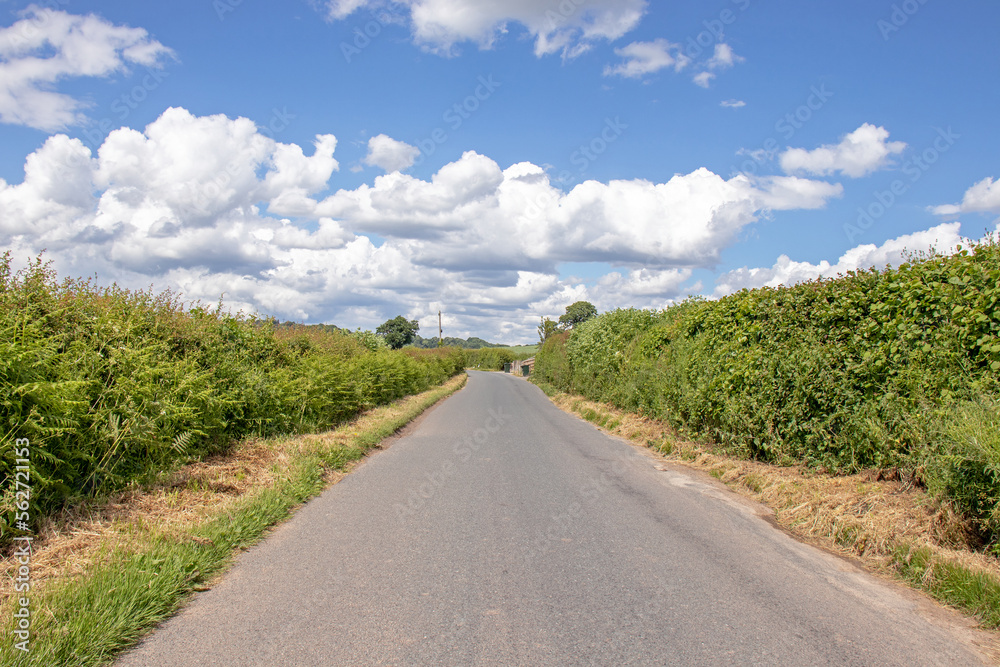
346,161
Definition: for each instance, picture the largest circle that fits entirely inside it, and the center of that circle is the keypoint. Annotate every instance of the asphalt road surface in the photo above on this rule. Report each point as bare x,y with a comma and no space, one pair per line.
502,531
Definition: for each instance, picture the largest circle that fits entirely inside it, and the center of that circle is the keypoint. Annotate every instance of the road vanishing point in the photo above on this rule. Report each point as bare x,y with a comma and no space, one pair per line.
499,530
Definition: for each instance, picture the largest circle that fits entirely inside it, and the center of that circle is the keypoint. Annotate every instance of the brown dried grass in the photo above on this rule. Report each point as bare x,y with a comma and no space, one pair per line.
863,516
70,542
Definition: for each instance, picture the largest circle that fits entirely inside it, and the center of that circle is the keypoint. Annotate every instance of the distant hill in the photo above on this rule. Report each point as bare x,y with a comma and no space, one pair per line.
472,343
293,325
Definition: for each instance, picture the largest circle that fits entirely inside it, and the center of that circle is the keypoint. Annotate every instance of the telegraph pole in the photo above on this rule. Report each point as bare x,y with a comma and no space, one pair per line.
440,331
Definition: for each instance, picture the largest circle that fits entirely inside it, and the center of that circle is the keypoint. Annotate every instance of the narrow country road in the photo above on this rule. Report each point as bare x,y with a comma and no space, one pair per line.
502,531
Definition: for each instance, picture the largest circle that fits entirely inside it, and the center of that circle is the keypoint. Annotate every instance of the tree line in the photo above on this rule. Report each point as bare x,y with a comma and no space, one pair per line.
576,313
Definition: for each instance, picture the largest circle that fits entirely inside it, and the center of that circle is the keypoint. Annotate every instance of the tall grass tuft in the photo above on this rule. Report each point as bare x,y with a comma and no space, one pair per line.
965,466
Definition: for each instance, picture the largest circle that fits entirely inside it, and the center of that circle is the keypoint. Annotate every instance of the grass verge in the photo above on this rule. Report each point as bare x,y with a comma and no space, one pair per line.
889,524
103,575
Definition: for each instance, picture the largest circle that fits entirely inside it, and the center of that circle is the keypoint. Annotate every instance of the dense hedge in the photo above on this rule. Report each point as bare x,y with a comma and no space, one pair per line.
880,368
109,385
492,358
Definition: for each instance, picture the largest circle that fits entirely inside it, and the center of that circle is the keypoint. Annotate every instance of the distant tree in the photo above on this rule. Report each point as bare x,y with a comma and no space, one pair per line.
546,328
398,331
472,343
370,340
581,311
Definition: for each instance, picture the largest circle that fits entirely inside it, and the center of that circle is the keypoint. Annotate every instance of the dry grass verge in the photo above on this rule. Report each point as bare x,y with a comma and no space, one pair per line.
892,526
93,590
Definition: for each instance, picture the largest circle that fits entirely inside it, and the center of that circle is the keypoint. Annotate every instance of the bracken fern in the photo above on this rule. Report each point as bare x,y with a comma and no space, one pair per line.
111,385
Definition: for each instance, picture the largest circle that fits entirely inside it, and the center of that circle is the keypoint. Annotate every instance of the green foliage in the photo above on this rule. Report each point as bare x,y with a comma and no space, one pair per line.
110,385
546,328
951,582
552,364
861,371
471,343
966,464
492,358
577,313
372,341
398,331
87,620
523,351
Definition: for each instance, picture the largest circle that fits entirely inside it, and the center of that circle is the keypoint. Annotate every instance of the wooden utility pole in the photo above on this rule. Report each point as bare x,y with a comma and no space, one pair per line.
440,331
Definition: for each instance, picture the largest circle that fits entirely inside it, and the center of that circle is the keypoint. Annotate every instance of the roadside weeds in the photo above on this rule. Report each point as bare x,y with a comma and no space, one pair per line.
105,573
891,526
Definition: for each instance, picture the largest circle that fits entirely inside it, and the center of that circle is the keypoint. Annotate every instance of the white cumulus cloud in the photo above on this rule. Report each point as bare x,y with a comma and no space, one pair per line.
341,9
703,79
723,57
567,26
478,214
858,154
199,204
984,196
642,58
46,46
943,238
783,193
386,153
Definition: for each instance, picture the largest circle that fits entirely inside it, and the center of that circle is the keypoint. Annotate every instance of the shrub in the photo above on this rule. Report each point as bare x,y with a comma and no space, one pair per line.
491,358
848,373
109,385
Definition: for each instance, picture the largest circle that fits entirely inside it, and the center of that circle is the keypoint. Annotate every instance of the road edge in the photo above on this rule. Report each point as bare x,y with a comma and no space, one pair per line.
727,475
93,613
